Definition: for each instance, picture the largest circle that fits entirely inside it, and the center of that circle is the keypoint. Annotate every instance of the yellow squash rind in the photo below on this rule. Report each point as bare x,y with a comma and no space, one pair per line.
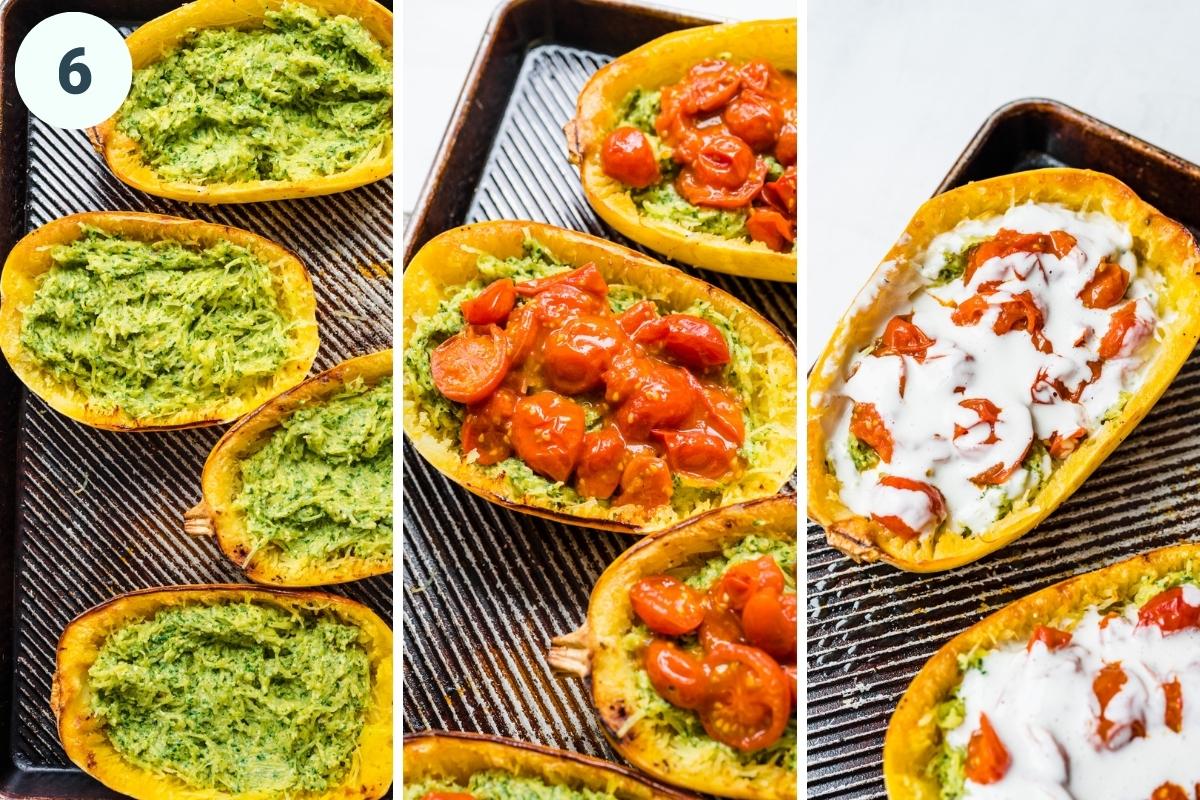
458,756
913,736
30,258
83,736
161,35
449,261
653,65
217,514
1160,244
613,669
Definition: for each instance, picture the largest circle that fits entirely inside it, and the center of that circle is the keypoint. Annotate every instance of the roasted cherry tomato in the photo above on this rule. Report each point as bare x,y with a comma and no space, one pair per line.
678,676
902,338
724,414
998,474
627,156
522,332
746,578
937,505
698,453
699,192
1122,322
790,671
485,429
598,473
987,759
723,161
710,85
1173,716
722,625
772,228
1006,242
667,605
754,118
749,702
1105,686
1052,638
780,194
645,482
761,76
547,433
1172,791
576,355
468,366
1169,611
785,147
1107,286
659,396
636,316
586,278
868,427
491,305
1062,446
557,304
769,622
988,413
694,342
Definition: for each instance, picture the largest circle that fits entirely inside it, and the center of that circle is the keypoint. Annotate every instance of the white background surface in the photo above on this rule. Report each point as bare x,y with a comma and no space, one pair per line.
440,39
898,87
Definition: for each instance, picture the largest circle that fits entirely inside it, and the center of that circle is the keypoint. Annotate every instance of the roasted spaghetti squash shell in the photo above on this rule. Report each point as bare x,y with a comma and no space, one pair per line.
449,260
160,36
30,259
1160,244
598,648
913,736
83,735
458,756
659,63
217,514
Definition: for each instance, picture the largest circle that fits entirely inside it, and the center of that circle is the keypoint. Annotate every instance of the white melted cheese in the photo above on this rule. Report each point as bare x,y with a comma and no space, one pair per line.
971,361
1044,710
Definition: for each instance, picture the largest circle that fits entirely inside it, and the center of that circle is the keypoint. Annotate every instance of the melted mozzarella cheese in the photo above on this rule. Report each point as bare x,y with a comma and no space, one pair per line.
1044,709
972,362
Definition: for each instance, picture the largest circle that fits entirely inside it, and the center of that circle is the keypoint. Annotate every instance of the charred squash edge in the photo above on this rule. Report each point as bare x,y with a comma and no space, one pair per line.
30,258
912,735
160,36
1161,244
83,736
217,515
449,260
595,650
457,756
653,65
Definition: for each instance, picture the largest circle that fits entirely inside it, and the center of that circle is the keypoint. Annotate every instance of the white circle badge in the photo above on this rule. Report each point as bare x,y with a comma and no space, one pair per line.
73,70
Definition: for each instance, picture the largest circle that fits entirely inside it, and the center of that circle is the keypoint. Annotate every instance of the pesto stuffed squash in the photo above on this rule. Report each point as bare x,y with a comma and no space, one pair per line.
132,321
441,766
561,375
688,146
299,493
1085,689
236,101
1016,333
152,697
690,645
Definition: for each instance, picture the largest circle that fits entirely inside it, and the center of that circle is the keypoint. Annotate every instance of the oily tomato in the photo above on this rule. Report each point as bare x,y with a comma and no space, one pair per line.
1006,242
575,356
754,118
698,453
749,701
601,463
694,342
586,278
656,395
646,481
1173,715
557,304
769,623
1106,685
722,623
868,427
1122,322
678,676
937,505
637,315
628,156
723,412
547,433
522,333
697,192
1173,791
492,305
468,366
485,428
1169,611
746,578
710,85
902,338
780,194
667,605
772,228
1106,287
987,759
1052,638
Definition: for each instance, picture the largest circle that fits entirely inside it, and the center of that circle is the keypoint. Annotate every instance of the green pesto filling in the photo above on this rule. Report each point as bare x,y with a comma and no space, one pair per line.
321,487
495,785
686,731
238,697
155,328
443,418
304,96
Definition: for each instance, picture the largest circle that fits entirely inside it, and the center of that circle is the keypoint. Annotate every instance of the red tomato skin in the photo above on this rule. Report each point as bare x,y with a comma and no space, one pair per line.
694,342
659,396
867,426
769,622
987,759
484,350
773,229
667,605
754,118
601,463
1052,638
746,578
627,156
1172,791
698,453
679,677
485,429
492,305
636,316
645,482
547,433
1107,287
522,332
749,701
575,356
1169,612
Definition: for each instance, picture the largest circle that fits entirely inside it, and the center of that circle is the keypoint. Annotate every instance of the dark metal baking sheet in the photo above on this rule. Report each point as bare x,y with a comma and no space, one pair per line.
870,628
88,514
485,588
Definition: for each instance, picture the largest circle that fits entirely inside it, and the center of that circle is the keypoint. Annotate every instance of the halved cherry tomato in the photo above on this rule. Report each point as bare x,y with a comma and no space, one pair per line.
724,162
586,278
522,332
576,355
868,427
468,366
749,702
785,147
547,433
1122,322
1062,446
1106,287
678,676
746,578
628,157
937,504
636,316
493,304
1172,791
988,415
970,311
1105,686
722,624
780,194
724,414
600,465
773,229
710,85
698,453
661,396
485,429
987,759
667,605
557,304
762,76
1173,716
1022,314
754,118
701,193
902,337
1052,638
1169,611
645,482
769,622
1006,242
694,342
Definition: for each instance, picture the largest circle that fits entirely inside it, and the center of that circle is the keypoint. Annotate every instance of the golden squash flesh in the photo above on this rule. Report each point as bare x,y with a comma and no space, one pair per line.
597,650
450,260
218,514
83,735
456,757
659,63
158,37
30,260
1160,244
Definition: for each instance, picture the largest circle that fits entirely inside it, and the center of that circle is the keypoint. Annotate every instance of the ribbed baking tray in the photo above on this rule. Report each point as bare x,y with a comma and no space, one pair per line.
485,588
870,628
88,514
